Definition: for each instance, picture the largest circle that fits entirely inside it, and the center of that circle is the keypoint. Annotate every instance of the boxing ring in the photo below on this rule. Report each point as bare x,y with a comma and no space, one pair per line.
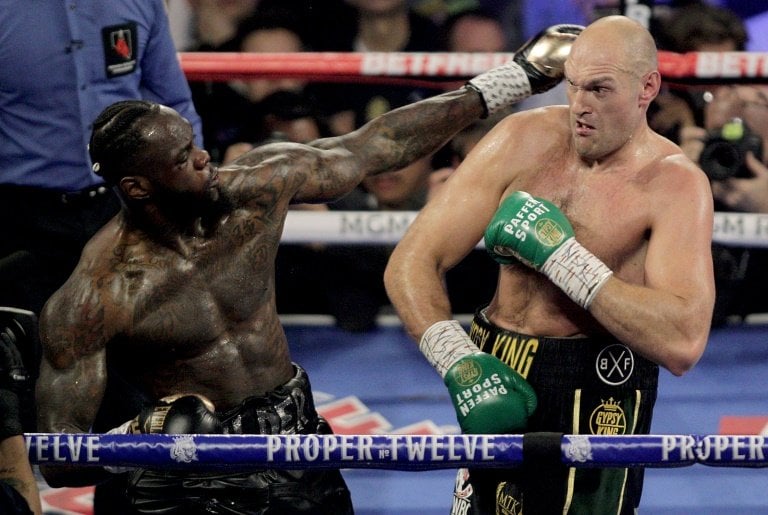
377,391
396,452
376,451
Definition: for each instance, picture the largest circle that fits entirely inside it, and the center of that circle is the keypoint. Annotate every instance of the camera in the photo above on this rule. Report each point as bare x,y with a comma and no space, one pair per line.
725,150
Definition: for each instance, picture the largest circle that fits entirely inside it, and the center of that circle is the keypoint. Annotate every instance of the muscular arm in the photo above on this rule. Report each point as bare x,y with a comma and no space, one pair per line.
446,230
389,142
329,168
69,390
667,319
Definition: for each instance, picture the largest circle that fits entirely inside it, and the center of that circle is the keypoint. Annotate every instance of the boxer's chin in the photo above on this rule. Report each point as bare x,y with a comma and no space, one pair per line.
217,202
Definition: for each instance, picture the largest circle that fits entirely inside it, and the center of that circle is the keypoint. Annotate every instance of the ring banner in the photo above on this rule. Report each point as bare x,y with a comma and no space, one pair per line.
395,452
388,227
436,68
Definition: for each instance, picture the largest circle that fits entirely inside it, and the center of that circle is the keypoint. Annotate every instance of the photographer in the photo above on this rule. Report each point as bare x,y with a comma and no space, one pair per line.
732,148
18,488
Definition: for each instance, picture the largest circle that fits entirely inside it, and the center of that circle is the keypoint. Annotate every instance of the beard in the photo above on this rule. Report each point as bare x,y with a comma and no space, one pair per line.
184,206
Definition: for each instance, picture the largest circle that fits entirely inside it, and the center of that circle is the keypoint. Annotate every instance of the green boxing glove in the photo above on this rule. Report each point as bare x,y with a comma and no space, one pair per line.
489,397
535,232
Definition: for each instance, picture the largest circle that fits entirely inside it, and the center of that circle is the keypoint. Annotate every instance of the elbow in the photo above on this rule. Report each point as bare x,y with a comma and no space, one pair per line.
685,357
685,349
678,368
394,273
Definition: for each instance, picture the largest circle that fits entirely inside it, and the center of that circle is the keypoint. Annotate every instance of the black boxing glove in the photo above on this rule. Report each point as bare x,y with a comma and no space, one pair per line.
177,414
10,417
18,330
187,414
174,415
537,67
20,354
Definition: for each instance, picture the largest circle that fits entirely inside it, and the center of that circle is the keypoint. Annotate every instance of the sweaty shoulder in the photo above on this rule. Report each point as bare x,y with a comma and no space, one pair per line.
676,166
531,124
525,143
80,317
678,180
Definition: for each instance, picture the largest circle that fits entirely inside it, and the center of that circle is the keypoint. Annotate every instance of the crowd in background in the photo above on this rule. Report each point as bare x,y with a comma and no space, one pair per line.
240,114
49,218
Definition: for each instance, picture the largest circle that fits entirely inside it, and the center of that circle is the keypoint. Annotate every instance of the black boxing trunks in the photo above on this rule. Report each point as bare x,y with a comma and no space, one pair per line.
289,409
592,386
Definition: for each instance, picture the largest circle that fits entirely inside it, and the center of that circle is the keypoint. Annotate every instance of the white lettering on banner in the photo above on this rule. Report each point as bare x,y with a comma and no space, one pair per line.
329,447
419,448
459,64
737,229
731,448
725,448
741,228
375,223
64,448
308,448
677,447
731,64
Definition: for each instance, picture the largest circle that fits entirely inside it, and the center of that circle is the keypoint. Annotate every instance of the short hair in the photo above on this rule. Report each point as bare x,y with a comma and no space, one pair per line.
116,139
693,25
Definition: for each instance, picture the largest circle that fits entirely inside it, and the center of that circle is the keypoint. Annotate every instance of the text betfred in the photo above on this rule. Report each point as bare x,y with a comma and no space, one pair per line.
433,63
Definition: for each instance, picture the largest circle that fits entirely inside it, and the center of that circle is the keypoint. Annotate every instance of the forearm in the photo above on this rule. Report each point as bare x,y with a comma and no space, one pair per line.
660,326
16,471
63,408
417,292
399,137
60,474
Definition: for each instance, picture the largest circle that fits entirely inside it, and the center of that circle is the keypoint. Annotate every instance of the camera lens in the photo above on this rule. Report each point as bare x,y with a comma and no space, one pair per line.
720,160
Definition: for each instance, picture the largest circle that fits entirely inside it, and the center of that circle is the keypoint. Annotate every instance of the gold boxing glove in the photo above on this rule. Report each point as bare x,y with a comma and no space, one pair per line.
536,67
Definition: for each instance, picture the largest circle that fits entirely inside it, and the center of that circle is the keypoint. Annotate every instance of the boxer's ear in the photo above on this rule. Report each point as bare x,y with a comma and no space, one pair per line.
651,85
136,187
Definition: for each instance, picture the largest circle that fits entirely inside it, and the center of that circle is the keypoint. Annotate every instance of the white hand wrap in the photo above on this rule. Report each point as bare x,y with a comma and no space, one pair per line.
444,343
578,272
502,86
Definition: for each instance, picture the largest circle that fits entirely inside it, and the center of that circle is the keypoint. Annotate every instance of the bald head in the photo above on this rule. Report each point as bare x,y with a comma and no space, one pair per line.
618,40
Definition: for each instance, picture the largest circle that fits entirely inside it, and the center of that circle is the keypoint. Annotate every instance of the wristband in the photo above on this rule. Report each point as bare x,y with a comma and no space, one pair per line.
576,271
126,428
444,343
501,86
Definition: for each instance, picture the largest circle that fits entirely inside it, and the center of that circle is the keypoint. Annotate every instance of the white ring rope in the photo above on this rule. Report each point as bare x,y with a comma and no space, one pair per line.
388,227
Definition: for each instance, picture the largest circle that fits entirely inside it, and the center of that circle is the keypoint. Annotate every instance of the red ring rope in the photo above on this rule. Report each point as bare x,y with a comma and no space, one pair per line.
434,69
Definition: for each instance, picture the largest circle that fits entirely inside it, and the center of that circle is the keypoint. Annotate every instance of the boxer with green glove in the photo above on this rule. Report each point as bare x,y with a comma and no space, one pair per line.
535,232
489,397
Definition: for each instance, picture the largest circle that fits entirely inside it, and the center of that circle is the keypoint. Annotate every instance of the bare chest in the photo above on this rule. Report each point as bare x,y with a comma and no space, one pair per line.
610,214
186,300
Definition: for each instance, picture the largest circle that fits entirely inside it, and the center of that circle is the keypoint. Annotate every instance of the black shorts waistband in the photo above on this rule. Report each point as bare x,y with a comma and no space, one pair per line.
566,362
288,409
